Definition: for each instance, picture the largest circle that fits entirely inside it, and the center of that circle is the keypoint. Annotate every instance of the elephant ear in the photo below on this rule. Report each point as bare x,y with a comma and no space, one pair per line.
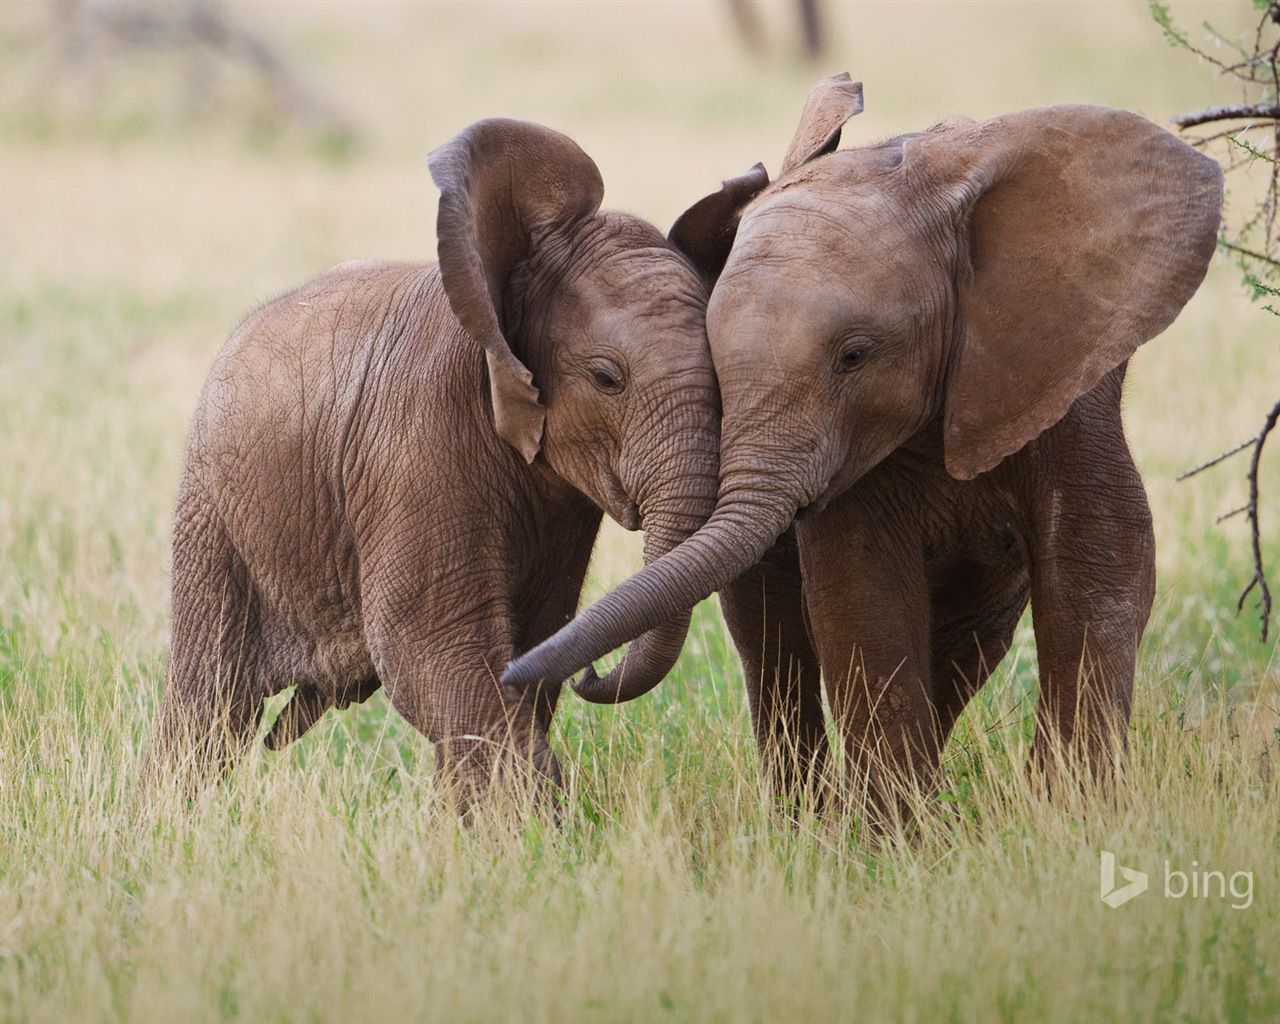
504,186
705,232
1087,230
833,101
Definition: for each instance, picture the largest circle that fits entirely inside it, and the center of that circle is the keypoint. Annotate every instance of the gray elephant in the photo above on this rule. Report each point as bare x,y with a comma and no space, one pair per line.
396,473
920,347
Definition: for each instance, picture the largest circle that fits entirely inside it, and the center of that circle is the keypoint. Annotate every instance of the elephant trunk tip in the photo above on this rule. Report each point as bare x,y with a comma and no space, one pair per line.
591,688
549,663
521,674
594,689
611,689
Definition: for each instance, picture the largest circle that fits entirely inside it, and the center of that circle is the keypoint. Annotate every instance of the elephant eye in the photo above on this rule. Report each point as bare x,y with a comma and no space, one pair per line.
608,378
852,358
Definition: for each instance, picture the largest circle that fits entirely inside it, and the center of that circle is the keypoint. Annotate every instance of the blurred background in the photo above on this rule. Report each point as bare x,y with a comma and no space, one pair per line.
165,167
277,138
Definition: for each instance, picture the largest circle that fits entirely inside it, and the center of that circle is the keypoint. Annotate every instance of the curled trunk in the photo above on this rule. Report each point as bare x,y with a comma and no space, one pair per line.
744,525
651,655
674,505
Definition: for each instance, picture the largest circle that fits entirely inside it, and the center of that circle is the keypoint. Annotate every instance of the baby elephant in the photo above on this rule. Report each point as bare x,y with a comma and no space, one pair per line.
920,346
396,473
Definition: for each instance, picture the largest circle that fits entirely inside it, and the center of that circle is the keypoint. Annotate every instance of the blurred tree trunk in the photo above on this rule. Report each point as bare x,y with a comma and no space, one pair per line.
94,34
746,22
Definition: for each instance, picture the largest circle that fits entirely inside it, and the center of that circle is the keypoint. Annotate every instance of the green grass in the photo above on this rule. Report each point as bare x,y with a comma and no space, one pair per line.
327,882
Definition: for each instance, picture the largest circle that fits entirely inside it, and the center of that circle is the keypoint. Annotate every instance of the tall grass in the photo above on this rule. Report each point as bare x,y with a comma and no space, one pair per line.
327,882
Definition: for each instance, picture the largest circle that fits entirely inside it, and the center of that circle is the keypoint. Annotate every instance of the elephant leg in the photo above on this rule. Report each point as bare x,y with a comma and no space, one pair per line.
485,741
764,610
965,651
1093,582
212,701
309,703
869,608
442,677
1089,618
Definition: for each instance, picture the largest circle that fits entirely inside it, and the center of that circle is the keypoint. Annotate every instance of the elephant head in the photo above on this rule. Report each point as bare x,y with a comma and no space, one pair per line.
594,334
972,280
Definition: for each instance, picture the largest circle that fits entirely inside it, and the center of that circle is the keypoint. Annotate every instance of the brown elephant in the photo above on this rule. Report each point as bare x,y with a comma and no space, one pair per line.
920,347
376,494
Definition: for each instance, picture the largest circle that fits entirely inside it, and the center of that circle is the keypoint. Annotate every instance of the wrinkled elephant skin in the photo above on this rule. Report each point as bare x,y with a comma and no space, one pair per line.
920,347
396,473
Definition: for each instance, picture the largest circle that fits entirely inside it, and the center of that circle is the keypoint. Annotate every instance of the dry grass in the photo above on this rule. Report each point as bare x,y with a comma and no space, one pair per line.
325,883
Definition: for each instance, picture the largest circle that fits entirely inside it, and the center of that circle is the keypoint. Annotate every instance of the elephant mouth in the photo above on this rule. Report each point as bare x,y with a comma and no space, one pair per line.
623,508
810,510
817,504
614,500
628,515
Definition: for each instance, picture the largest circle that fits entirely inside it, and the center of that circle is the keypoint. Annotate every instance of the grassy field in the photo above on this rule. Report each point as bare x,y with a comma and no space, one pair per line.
325,883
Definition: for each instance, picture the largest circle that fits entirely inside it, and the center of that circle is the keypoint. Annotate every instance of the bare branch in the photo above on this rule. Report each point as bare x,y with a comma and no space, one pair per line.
1231,112
1259,579
1259,572
1213,462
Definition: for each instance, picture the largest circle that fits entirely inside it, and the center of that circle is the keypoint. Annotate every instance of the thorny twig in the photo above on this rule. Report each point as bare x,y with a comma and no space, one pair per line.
1251,253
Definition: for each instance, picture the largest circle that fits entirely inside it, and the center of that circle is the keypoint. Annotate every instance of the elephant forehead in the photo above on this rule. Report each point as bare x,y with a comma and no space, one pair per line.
856,251
833,227
807,289
638,302
658,274
637,281
615,262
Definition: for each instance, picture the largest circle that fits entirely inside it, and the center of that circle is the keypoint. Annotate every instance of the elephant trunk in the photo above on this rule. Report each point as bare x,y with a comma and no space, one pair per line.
673,506
746,521
651,655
